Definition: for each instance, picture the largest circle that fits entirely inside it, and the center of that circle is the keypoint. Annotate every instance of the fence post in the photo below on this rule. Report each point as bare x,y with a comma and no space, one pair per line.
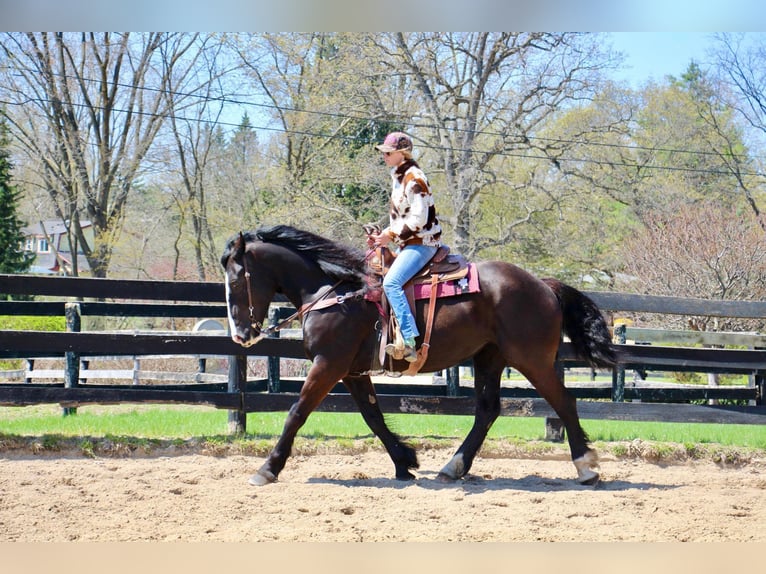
136,369
272,363
758,380
554,429
72,369
453,381
238,385
84,366
618,373
29,369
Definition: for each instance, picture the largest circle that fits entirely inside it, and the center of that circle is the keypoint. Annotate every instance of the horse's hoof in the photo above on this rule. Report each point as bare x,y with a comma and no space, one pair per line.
404,476
262,478
453,470
592,481
587,466
445,478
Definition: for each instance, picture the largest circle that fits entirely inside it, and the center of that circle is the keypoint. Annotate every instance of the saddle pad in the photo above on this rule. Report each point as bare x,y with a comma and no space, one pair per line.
468,284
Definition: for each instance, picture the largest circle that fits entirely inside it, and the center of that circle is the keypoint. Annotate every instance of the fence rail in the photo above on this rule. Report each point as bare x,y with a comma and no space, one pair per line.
240,395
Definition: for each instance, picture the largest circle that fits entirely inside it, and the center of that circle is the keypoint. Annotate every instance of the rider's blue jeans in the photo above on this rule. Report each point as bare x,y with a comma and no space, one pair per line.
409,261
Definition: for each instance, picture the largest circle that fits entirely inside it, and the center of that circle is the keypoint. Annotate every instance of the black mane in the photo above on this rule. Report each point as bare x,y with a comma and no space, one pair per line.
336,260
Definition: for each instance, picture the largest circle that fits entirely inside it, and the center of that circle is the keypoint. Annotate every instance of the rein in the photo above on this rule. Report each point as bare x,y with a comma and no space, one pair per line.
308,307
258,325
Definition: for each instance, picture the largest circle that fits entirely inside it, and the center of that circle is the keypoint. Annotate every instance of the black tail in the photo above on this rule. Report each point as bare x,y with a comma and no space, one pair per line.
584,325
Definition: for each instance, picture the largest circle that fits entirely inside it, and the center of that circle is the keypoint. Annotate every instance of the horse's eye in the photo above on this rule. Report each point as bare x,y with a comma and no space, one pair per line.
236,283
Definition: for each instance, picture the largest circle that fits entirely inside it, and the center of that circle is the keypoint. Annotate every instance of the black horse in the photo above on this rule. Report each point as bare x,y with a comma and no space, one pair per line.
514,320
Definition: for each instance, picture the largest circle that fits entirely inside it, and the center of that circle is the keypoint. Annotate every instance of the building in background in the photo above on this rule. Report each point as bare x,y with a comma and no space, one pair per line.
49,241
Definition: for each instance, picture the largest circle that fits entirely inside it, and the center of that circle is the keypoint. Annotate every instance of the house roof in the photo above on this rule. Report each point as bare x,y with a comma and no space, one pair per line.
52,227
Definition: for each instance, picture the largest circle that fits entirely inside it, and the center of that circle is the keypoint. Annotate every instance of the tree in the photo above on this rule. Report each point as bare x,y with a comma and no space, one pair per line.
194,135
574,214
477,104
703,250
86,109
317,167
13,257
241,187
638,153
742,69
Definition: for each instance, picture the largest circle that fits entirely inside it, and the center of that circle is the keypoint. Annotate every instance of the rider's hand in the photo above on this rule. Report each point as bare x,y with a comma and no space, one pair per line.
379,240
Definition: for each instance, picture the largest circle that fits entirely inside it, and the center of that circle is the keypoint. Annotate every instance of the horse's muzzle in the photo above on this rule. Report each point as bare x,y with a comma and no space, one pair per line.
248,342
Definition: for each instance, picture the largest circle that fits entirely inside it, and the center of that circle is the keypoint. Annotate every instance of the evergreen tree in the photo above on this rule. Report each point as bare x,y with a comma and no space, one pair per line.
13,258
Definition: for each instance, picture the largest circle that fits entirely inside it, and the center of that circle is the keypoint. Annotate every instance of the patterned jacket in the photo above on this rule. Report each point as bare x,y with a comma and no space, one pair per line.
412,215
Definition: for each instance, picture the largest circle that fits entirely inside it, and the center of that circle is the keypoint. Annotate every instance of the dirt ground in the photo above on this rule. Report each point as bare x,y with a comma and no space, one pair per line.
328,497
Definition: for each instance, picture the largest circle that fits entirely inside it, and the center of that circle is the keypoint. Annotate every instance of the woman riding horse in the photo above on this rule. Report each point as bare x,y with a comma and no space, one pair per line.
515,320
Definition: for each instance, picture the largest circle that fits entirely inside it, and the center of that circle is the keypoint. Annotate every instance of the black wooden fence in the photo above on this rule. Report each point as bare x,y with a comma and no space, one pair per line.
77,297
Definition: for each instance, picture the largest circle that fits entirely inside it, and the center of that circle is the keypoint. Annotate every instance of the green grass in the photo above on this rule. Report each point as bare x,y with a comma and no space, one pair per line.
182,423
137,421
751,436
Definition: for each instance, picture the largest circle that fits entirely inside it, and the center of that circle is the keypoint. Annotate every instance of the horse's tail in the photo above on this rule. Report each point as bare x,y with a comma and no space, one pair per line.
584,325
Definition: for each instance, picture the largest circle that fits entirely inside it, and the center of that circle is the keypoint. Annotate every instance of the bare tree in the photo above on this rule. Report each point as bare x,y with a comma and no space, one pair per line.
85,108
320,166
703,250
742,68
195,138
477,103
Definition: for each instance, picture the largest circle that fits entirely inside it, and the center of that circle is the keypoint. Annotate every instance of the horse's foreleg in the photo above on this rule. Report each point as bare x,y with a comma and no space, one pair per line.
488,367
277,458
403,455
319,382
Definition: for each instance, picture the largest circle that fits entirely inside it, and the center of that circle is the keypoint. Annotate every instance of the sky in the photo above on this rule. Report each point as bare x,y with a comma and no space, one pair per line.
654,55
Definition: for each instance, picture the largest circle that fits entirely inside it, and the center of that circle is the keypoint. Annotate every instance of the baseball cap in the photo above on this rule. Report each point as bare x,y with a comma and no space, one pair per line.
395,141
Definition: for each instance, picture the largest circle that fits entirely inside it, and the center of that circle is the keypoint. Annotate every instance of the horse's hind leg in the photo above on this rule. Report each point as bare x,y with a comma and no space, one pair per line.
550,388
488,368
403,455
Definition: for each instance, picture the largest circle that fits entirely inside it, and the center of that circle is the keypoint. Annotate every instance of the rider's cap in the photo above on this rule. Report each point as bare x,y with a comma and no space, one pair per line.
395,141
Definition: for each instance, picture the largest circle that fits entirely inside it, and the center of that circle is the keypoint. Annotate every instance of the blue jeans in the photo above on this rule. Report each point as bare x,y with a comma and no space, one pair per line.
409,261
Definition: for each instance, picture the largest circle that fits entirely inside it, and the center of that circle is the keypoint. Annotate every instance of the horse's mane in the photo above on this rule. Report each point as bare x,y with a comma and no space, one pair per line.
336,260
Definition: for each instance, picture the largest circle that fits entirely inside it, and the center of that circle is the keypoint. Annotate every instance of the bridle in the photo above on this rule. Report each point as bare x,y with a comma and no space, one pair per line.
319,303
257,326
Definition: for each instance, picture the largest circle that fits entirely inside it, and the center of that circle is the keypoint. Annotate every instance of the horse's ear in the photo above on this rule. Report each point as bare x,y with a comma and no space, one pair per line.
239,246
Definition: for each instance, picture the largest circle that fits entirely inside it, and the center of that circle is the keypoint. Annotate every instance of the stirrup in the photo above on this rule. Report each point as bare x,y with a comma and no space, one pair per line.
394,351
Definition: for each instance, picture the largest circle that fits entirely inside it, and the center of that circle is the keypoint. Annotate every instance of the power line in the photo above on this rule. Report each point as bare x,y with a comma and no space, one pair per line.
338,115
224,100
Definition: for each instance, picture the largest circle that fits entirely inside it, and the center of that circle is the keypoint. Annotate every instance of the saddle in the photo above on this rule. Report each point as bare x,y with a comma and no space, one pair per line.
441,268
444,265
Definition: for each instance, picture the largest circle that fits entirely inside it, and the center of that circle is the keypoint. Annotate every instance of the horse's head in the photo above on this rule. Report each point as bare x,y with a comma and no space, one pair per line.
248,294
282,259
